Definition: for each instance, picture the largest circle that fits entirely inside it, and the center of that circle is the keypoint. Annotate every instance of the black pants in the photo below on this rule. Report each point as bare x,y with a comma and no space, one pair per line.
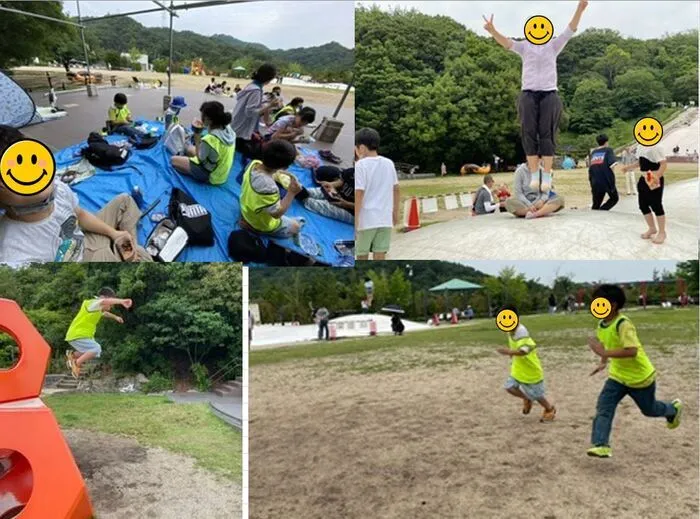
599,193
650,199
539,114
322,327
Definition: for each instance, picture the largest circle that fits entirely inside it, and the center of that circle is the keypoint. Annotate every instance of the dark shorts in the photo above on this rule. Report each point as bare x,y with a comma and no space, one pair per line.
198,173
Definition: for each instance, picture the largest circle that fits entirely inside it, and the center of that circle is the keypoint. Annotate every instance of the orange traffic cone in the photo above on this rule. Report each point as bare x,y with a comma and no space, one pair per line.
412,215
38,476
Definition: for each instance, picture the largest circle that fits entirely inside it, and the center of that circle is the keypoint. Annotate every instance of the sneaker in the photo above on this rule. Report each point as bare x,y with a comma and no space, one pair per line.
548,416
75,370
600,451
69,359
527,406
677,417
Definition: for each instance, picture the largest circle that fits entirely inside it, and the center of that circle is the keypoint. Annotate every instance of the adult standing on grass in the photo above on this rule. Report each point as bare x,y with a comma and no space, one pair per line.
539,105
601,175
376,197
322,315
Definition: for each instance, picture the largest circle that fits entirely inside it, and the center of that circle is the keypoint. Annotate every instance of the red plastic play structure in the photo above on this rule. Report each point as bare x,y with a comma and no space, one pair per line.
38,476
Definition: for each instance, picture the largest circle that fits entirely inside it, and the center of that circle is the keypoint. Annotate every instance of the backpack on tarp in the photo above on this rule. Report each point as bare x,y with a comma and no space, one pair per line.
192,217
246,247
102,154
143,142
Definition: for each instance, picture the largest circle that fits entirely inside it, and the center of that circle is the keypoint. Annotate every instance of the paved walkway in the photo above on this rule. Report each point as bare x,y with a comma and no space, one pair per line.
228,408
571,234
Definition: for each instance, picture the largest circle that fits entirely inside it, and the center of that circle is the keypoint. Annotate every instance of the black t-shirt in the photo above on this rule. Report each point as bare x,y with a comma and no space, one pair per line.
600,170
347,191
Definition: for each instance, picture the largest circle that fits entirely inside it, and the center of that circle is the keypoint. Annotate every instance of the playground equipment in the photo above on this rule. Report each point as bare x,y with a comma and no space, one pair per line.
197,67
38,475
469,169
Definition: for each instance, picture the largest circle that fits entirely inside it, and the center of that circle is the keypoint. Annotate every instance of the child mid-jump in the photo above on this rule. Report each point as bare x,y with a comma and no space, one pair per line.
539,106
81,333
630,372
526,380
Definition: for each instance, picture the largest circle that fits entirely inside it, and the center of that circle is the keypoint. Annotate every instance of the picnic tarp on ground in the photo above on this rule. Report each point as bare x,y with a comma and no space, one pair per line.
151,170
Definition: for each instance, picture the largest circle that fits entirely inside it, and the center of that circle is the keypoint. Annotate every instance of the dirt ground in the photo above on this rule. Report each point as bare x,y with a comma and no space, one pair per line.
311,95
327,439
126,480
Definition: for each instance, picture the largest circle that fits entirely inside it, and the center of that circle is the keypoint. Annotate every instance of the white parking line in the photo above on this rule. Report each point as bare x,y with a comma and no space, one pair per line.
71,105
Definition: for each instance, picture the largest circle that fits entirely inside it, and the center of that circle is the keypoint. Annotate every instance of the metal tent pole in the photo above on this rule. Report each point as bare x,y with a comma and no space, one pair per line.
342,99
82,37
170,60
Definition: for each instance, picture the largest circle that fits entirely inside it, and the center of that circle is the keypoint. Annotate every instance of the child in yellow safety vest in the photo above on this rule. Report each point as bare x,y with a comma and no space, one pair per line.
119,117
526,380
81,333
210,159
262,208
630,371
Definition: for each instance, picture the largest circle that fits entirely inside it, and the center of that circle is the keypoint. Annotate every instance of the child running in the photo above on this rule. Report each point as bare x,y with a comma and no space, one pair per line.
81,333
526,378
539,105
630,373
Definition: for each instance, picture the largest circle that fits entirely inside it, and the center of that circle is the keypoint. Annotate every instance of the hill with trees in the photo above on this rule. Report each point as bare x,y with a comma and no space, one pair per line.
185,321
439,92
107,39
291,294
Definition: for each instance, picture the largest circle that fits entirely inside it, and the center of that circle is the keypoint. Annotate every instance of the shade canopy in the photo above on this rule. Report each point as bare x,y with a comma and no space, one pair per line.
456,284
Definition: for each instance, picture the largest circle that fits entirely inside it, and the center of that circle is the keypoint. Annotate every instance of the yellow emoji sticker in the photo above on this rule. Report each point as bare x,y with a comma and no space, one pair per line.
507,320
648,131
538,30
600,308
27,167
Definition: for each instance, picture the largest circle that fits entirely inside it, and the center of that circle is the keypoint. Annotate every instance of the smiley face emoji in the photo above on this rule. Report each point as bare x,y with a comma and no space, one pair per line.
648,131
27,167
507,320
600,308
538,30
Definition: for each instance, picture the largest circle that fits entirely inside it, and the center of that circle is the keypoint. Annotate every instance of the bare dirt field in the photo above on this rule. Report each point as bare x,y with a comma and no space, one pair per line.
311,95
427,433
126,480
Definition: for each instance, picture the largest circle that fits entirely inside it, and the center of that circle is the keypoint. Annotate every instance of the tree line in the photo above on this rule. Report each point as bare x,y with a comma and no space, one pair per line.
107,39
438,92
185,321
292,294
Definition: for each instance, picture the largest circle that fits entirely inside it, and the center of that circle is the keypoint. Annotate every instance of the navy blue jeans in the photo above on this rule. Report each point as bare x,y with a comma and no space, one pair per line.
611,395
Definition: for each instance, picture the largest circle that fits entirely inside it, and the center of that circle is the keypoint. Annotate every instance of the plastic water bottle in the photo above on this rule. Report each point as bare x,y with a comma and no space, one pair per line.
137,196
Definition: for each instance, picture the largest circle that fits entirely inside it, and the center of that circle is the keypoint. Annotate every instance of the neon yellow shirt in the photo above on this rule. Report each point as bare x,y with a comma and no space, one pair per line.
524,368
637,371
84,326
119,115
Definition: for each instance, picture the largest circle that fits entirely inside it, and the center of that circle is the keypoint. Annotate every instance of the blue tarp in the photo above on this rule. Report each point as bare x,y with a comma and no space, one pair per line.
151,171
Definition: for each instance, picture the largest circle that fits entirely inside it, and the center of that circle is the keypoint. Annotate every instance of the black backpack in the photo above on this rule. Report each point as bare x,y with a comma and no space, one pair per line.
102,154
143,142
246,247
192,217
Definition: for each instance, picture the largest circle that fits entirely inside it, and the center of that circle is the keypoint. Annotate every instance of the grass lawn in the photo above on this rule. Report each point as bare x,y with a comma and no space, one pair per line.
188,429
658,329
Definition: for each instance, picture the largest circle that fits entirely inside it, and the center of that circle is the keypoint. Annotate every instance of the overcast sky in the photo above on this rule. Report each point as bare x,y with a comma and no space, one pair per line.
278,25
642,20
591,271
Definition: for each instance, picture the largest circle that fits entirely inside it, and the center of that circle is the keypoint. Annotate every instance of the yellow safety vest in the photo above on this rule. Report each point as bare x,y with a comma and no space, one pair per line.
286,110
637,371
253,204
119,115
84,326
226,153
525,368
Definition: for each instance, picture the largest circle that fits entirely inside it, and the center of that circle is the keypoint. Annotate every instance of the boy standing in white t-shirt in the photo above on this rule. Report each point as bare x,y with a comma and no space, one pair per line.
376,197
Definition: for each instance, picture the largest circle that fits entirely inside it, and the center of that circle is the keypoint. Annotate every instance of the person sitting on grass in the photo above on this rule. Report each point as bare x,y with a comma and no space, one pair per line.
334,199
526,380
630,371
601,175
210,159
81,333
209,89
119,117
50,226
292,108
262,208
250,107
529,202
484,202
291,127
